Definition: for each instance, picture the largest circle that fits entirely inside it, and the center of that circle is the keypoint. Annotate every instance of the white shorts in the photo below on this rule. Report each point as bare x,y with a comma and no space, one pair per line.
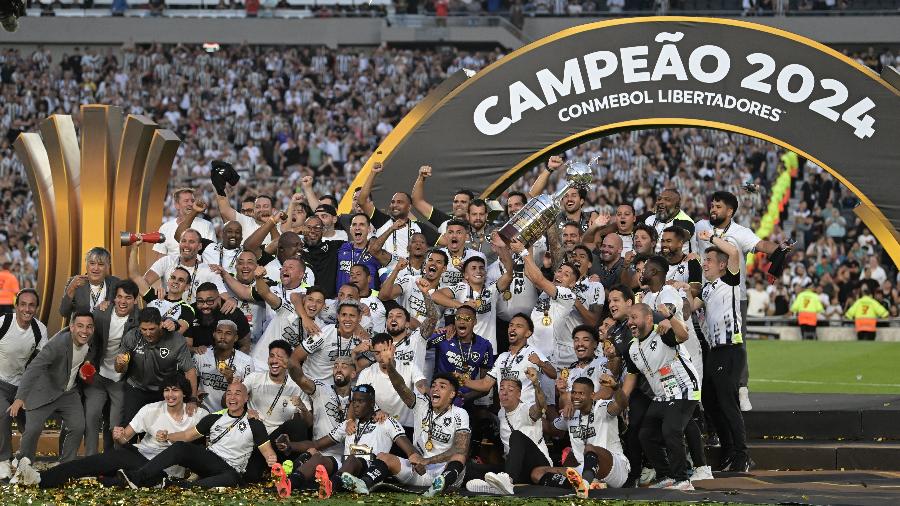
408,475
619,472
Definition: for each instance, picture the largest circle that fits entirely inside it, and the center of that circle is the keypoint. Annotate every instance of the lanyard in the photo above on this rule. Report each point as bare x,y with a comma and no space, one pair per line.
361,430
394,238
193,277
96,298
233,259
220,436
277,396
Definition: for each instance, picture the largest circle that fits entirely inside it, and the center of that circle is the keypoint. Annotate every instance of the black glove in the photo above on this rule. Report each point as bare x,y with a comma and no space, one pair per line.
222,173
778,260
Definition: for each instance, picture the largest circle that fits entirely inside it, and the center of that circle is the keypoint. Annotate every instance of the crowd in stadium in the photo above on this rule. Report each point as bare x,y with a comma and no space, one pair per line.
370,345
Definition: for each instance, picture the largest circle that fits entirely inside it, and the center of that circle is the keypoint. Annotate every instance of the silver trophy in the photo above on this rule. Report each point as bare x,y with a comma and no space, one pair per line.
540,213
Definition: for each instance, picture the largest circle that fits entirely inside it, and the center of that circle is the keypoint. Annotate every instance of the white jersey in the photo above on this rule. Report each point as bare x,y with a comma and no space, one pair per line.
682,217
257,313
588,293
412,298
386,397
591,371
434,432
740,236
377,313
284,323
217,254
520,419
273,272
16,347
374,437
329,315
155,417
323,349
452,274
597,428
329,411
397,244
523,294
723,311
485,308
411,350
666,365
200,273
170,246
273,401
233,438
627,243
210,378
673,299
513,365
549,325
248,226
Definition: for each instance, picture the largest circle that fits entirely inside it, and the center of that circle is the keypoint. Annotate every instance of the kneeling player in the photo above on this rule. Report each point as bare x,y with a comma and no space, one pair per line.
594,434
441,438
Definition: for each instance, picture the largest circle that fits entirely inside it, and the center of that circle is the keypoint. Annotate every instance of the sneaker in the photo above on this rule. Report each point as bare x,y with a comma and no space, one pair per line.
725,463
500,481
354,484
702,473
282,483
663,483
124,477
25,474
582,489
482,487
741,465
647,477
744,398
681,485
437,486
6,470
324,481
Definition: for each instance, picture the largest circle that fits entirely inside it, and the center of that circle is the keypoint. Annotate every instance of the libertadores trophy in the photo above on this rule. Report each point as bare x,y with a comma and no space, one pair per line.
540,213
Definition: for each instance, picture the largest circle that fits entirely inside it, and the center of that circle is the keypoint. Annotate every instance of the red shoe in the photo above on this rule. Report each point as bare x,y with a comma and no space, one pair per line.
565,454
581,487
325,487
282,483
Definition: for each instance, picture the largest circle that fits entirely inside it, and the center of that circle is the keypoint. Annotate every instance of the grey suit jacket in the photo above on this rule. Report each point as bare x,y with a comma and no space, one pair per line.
47,376
101,333
81,302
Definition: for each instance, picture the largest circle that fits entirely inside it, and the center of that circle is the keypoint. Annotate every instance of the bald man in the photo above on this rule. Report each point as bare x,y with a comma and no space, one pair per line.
609,263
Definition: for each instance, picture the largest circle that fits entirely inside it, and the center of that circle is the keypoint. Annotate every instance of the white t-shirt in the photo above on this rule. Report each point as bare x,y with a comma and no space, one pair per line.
439,428
79,353
398,242
385,396
213,382
411,350
377,313
513,365
233,439
155,417
452,274
485,311
271,400
113,339
519,419
217,254
591,371
548,333
523,293
284,323
323,349
16,348
248,226
740,236
598,428
379,437
329,411
170,247
200,273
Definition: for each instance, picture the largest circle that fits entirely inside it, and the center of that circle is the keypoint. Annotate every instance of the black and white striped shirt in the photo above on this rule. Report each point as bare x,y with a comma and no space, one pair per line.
722,298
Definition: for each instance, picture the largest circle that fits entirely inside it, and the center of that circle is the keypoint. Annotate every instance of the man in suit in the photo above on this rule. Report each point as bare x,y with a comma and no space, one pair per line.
48,387
95,289
110,325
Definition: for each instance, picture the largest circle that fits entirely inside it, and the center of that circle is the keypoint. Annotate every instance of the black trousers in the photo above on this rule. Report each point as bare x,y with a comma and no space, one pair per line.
101,464
213,471
256,467
720,398
523,457
662,437
638,404
808,332
865,335
135,399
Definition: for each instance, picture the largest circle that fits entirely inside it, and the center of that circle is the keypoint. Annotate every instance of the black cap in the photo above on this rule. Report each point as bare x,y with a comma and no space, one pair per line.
326,208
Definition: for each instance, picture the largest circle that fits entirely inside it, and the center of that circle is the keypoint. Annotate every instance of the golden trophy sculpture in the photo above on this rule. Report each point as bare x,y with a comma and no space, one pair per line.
85,196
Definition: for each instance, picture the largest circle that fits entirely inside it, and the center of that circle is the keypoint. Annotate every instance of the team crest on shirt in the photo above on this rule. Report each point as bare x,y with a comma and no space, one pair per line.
284,403
519,359
163,352
242,426
589,372
447,422
653,345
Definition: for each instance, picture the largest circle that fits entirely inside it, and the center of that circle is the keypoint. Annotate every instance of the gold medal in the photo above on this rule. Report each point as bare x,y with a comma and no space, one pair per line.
222,365
456,261
564,373
429,445
478,304
127,357
507,295
546,320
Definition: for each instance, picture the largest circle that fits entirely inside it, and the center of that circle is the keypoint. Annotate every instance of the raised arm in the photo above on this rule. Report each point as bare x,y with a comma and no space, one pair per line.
620,398
734,256
306,184
543,178
431,311
418,192
536,412
505,256
366,191
406,395
257,237
198,208
242,291
225,210
295,369
600,227
262,288
376,246
533,273
389,289
134,273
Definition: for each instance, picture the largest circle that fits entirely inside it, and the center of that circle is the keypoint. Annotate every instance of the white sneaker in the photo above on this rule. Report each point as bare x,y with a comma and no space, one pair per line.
500,481
482,487
647,477
6,470
702,473
663,483
25,474
681,485
744,398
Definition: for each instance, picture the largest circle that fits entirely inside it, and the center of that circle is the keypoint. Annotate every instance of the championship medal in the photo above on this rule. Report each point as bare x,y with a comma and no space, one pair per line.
429,445
222,365
507,295
456,261
546,320
564,374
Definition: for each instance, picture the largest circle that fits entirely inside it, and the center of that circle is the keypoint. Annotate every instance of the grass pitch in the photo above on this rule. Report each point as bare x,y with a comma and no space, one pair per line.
850,367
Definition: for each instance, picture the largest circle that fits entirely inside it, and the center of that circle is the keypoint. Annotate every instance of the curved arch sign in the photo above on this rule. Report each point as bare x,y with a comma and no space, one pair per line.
594,79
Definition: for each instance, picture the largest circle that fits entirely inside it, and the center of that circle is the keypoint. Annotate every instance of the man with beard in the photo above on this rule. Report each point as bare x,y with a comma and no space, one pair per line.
519,298
328,214
480,231
572,201
176,313
721,223
655,354
459,205
321,256
587,364
242,281
21,337
188,259
669,213
414,264
404,289
272,400
682,268
319,351
287,245
589,295
110,325
357,251
262,210
223,253
441,439
149,354
218,366
207,315
625,220
456,238
282,301
49,386
379,376
399,209
609,264
360,276
183,199
410,343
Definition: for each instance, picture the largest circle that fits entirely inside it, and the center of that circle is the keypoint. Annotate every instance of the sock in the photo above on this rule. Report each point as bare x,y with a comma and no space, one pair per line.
554,480
591,462
451,472
376,473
